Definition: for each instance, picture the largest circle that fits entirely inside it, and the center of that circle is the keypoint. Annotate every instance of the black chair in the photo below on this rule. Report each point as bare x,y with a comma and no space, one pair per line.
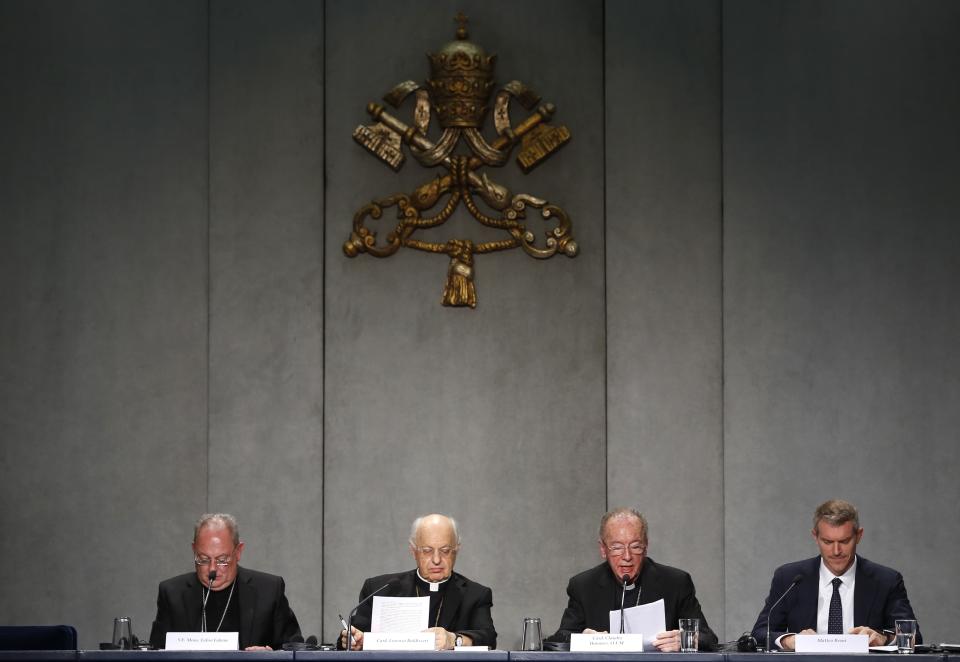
38,638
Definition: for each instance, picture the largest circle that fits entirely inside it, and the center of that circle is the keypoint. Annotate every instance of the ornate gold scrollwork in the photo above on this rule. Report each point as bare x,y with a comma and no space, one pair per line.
458,92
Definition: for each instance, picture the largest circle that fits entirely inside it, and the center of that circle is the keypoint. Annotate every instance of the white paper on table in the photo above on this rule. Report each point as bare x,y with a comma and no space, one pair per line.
649,619
399,614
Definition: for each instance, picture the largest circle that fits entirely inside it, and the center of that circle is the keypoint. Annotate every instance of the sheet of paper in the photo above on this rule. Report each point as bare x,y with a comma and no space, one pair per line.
649,619
399,614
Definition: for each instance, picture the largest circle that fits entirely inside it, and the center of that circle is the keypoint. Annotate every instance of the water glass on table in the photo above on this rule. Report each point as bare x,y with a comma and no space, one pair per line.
123,633
532,640
906,633
689,634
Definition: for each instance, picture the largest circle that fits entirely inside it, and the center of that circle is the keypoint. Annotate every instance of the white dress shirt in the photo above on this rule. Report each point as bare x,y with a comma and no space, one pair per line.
849,579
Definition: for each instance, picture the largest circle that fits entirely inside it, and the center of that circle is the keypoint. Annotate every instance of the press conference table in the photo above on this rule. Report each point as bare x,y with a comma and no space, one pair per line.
428,656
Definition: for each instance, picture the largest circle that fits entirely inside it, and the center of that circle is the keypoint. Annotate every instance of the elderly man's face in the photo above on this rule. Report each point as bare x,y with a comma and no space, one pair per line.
214,550
624,546
838,545
435,548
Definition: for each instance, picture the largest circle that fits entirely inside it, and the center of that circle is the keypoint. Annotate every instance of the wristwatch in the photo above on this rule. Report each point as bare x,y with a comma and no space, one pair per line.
458,641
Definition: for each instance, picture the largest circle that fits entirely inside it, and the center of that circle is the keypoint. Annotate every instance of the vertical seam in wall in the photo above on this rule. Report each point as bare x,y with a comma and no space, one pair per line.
723,345
323,317
603,166
208,251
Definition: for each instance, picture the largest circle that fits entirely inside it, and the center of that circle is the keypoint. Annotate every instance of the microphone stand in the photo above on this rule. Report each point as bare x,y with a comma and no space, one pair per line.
796,580
623,596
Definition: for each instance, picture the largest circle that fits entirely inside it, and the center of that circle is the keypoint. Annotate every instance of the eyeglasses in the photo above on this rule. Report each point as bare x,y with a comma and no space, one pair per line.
220,561
616,549
428,551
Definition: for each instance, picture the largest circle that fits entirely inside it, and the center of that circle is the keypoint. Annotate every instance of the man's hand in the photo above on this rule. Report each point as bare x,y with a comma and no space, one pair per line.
357,644
788,643
444,640
258,648
876,638
667,642
592,631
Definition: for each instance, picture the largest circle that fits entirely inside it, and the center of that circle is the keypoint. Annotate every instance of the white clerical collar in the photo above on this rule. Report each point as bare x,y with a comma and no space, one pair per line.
434,586
826,575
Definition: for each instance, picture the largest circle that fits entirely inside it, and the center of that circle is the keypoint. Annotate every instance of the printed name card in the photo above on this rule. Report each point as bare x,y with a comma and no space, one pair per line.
203,641
602,641
399,641
832,643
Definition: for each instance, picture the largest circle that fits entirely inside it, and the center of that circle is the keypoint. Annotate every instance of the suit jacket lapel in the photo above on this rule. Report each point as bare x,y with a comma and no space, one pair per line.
247,595
808,593
451,600
863,593
191,605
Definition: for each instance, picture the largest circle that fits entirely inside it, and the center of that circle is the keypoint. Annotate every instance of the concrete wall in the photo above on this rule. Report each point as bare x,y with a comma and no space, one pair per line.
762,315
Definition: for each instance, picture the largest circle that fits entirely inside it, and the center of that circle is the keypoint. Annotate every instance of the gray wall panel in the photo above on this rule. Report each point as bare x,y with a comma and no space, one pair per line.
102,335
493,415
790,344
841,304
266,220
664,450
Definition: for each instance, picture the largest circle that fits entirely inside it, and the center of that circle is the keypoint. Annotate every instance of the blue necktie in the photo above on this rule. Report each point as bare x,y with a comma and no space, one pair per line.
835,617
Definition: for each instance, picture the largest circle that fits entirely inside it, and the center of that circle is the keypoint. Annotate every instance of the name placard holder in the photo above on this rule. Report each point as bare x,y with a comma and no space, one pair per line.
399,641
832,643
203,641
603,641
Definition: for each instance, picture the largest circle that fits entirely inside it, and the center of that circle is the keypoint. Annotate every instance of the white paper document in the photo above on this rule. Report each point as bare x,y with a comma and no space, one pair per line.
648,619
399,614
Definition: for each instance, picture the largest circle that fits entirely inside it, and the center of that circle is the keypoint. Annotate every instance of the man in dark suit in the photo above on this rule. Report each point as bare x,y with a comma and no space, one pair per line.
459,612
838,591
593,594
220,596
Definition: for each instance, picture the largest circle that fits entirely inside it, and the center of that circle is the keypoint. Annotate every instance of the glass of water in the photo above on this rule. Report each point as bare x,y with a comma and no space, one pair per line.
906,635
689,634
122,633
532,639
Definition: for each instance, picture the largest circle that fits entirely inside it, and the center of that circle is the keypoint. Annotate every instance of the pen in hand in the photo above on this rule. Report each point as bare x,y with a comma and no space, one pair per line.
350,634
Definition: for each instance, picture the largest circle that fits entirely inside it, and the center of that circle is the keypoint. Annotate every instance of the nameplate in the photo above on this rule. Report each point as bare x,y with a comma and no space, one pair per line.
203,641
399,641
831,643
602,641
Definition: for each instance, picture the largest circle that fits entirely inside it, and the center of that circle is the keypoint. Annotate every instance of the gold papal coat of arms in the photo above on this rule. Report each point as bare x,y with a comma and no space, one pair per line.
458,93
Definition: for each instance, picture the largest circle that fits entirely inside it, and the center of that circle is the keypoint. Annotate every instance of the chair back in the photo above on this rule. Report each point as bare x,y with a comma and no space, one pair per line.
38,638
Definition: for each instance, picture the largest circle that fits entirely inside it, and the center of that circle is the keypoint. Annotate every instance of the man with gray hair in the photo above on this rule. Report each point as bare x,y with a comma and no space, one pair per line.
629,577
459,612
220,596
836,592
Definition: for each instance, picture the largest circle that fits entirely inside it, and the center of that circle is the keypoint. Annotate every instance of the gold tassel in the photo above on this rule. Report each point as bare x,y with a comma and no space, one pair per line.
459,290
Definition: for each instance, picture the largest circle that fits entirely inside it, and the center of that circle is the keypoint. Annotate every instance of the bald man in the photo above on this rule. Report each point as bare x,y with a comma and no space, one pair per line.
221,596
459,608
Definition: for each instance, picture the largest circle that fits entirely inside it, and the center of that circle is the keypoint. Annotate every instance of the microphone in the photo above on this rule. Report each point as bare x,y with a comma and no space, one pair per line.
623,596
211,577
353,612
796,580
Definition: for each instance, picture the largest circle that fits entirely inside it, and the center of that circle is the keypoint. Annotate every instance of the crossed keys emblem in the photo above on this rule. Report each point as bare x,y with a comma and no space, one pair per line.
458,93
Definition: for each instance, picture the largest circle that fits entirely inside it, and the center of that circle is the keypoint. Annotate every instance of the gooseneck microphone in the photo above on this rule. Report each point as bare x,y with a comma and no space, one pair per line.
211,577
796,580
623,596
353,612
